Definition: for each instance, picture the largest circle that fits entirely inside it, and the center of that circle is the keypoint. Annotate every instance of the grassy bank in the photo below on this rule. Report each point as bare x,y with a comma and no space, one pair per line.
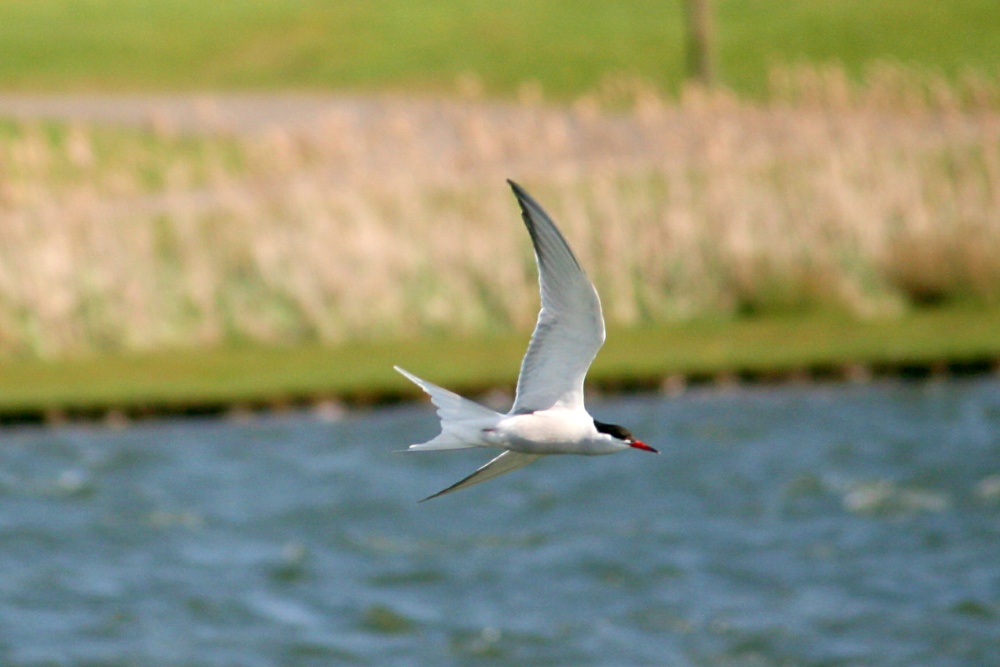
825,346
838,228
568,46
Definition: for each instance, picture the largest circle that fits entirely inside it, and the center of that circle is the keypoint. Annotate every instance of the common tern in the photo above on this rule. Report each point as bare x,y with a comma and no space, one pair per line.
548,416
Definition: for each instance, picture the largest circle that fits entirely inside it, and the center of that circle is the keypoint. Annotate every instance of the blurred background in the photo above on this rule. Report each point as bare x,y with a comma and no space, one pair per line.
218,207
182,176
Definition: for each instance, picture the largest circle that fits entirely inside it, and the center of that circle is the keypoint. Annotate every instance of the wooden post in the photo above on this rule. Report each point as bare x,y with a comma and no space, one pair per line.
698,15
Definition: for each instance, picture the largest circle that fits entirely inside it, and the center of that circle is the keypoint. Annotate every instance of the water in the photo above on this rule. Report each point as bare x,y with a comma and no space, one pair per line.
831,525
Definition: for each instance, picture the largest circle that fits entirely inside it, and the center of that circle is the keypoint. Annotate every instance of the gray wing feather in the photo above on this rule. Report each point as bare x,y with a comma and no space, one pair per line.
570,328
504,463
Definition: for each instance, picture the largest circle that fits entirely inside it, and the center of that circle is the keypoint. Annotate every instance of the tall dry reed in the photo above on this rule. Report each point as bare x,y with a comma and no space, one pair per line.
390,217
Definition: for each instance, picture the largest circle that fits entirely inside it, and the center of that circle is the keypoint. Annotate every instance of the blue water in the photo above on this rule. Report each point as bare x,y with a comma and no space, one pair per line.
802,525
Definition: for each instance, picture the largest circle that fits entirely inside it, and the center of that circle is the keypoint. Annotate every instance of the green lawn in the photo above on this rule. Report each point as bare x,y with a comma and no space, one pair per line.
567,45
640,357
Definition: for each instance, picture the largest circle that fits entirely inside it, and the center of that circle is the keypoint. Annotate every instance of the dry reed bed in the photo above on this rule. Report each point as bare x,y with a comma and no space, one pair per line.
869,198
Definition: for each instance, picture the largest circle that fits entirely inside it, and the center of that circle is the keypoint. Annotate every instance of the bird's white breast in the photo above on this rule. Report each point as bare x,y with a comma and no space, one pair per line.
553,431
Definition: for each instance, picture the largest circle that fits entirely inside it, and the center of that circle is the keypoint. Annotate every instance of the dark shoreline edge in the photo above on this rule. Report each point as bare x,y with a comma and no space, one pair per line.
241,381
332,408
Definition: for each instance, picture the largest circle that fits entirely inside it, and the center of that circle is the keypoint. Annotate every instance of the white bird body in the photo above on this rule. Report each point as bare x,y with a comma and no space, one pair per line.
554,431
548,415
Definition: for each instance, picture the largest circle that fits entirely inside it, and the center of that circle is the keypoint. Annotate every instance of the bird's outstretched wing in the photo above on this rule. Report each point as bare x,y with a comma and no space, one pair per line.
504,463
570,328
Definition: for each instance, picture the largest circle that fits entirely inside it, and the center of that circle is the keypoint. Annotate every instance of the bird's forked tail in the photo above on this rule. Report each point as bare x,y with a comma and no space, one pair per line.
462,421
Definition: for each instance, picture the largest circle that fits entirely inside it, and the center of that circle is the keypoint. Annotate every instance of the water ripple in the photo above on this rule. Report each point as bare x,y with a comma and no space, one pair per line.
782,526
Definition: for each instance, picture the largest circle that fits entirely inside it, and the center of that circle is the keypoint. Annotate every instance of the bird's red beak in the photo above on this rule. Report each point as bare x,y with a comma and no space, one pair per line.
639,444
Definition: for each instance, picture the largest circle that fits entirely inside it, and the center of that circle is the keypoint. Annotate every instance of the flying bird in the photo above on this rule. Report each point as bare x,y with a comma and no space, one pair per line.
548,415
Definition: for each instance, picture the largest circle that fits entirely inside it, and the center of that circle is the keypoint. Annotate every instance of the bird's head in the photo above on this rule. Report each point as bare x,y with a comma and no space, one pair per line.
621,433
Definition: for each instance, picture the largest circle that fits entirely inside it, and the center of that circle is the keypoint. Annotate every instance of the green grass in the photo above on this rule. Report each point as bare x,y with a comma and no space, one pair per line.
567,45
363,371
947,36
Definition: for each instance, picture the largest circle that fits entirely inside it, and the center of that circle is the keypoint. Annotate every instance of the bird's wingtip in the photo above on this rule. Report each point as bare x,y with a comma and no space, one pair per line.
433,496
